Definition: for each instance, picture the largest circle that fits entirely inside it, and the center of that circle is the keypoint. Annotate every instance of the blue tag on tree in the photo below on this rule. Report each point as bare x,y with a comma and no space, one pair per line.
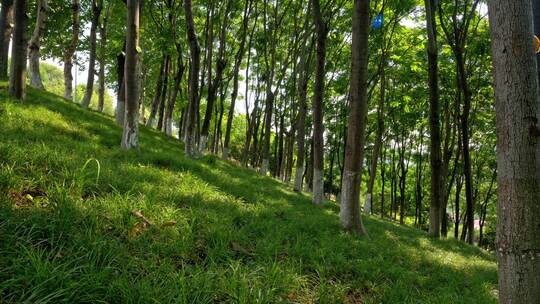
378,22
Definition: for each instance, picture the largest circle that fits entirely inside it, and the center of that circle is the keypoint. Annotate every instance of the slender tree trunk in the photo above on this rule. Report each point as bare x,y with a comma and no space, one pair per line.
97,6
70,51
172,101
214,85
102,55
121,98
354,149
434,122
35,44
193,87
17,75
164,90
157,97
518,153
6,29
318,100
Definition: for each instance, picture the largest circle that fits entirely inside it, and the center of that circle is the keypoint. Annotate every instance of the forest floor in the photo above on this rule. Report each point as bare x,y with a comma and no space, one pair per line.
73,208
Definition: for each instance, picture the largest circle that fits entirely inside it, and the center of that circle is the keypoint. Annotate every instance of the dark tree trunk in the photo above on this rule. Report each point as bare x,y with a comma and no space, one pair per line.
434,122
6,29
180,67
121,98
17,75
97,6
102,56
163,98
193,98
154,108
318,100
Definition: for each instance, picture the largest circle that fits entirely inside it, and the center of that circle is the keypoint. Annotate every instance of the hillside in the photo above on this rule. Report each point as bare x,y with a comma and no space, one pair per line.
218,233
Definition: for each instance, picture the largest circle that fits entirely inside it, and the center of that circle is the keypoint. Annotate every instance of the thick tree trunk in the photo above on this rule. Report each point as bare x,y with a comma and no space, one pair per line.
318,99
17,75
193,99
103,48
70,50
518,154
6,29
354,148
35,44
97,6
434,122
130,137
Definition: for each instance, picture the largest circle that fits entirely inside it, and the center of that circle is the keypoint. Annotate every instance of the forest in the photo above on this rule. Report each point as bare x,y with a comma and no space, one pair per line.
270,151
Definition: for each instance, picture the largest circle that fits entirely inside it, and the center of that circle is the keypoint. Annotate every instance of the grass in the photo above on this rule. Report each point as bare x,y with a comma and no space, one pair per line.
67,232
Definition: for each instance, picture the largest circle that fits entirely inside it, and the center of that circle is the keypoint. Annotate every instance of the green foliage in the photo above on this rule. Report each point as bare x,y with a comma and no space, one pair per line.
237,237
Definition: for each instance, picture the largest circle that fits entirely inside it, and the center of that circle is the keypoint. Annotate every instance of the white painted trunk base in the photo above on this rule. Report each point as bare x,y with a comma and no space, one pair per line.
318,187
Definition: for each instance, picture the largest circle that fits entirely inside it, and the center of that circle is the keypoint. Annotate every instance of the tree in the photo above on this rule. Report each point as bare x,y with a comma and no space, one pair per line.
318,129
434,122
17,75
193,86
35,44
130,137
236,74
518,158
102,58
6,28
70,50
354,148
97,6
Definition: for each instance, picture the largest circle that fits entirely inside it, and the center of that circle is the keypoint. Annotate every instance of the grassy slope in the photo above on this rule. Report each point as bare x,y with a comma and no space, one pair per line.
239,237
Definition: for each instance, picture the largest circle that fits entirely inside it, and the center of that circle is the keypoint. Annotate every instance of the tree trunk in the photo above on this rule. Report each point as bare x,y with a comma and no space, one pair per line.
17,75
193,87
103,48
6,29
130,137
434,124
318,99
172,100
354,148
157,97
70,50
163,97
35,44
518,154
97,6
121,98
214,85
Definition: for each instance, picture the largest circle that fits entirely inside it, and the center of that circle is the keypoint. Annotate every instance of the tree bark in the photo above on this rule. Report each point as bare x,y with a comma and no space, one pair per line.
121,98
157,95
518,154
130,137
35,44
434,122
354,148
193,87
70,50
17,75
6,29
214,84
177,81
164,90
318,99
102,56
97,6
